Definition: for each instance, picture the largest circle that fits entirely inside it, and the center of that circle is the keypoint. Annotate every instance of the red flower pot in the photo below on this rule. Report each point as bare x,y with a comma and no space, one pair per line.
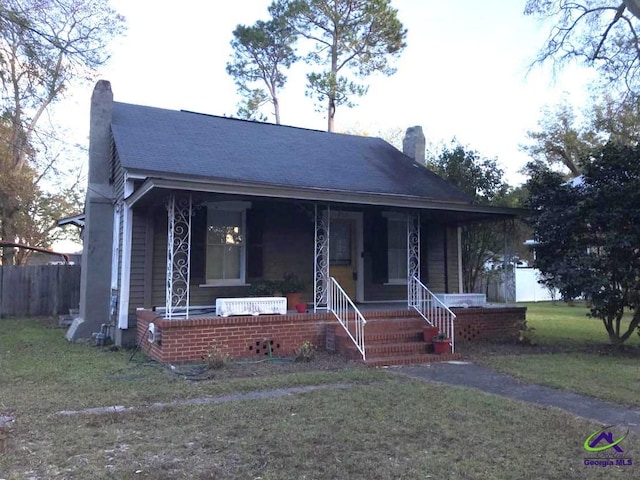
301,307
429,333
441,346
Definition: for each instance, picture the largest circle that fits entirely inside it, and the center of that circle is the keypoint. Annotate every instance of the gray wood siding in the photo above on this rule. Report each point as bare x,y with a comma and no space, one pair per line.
435,277
287,247
137,274
452,258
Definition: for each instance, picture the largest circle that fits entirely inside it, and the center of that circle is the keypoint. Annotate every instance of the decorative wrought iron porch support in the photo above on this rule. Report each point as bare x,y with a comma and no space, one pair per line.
179,211
413,249
321,257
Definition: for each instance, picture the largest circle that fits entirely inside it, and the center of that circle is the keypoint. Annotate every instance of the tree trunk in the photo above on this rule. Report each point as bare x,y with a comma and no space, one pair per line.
331,111
633,6
276,110
333,83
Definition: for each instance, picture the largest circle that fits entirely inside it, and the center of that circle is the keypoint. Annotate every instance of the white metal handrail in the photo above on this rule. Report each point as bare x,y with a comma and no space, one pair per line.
345,311
431,308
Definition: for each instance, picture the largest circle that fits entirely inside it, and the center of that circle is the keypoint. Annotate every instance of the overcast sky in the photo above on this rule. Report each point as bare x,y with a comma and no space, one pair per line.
463,73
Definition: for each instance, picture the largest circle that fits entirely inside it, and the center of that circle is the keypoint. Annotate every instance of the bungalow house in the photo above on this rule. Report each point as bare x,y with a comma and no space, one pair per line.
185,212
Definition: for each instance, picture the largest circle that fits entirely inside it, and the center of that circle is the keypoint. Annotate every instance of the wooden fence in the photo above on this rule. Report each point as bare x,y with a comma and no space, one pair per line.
34,290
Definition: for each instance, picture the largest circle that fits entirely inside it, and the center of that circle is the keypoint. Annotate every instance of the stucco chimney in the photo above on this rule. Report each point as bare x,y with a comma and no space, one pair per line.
95,276
414,144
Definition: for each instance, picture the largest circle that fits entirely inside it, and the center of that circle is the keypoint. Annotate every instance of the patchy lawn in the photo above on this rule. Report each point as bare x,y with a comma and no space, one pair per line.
382,427
572,353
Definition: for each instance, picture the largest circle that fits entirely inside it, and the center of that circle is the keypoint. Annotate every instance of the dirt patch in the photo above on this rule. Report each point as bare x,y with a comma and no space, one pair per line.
322,361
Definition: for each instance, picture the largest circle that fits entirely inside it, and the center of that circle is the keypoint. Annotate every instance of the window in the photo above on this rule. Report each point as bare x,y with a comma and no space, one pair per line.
226,223
397,244
340,243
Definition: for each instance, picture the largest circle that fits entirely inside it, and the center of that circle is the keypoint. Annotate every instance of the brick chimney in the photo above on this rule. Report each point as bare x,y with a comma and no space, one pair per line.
95,277
414,144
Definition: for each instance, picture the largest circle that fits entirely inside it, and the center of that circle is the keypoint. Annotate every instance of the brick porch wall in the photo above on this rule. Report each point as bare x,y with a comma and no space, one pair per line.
498,323
185,341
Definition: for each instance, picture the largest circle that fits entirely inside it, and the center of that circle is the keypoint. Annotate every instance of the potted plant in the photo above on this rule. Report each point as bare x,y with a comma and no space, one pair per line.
429,332
441,344
264,288
292,287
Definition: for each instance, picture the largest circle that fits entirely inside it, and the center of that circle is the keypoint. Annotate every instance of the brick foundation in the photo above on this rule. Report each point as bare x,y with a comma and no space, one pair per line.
498,323
185,341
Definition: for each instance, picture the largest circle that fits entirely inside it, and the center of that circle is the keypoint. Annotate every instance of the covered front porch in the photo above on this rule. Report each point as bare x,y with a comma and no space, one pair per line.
196,247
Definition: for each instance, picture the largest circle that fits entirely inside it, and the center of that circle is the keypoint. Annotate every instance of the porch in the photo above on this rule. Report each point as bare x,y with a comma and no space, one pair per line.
353,258
392,335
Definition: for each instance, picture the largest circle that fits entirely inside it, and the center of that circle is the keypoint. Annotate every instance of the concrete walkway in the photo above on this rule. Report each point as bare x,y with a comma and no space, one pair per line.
464,374
467,374
234,397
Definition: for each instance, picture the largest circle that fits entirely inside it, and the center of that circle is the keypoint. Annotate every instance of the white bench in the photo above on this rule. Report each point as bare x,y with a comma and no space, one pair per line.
251,306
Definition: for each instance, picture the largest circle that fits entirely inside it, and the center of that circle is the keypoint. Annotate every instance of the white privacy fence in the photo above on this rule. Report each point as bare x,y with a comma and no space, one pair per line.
524,283
529,290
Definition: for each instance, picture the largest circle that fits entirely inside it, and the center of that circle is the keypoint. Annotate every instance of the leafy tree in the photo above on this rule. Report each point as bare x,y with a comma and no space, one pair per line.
482,179
249,107
261,54
559,139
566,139
601,33
45,46
392,135
356,36
588,234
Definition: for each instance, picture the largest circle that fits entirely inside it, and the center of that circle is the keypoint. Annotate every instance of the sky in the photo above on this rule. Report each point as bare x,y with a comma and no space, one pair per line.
463,74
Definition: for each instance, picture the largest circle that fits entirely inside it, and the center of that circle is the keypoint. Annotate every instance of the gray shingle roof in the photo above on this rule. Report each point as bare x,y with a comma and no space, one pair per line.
173,142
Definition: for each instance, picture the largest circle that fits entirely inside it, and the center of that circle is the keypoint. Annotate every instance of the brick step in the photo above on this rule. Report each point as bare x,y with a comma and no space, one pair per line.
415,359
391,349
389,313
394,337
389,325
384,336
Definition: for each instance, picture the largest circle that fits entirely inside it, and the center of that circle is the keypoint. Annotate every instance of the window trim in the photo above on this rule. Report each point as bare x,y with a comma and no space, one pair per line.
241,207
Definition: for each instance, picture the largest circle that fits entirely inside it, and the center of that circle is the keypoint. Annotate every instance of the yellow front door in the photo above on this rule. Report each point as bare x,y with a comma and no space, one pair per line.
342,254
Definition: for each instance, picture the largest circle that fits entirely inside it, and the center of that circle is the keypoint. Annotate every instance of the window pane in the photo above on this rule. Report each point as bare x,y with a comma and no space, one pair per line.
231,262
393,265
224,226
215,262
340,243
215,235
397,249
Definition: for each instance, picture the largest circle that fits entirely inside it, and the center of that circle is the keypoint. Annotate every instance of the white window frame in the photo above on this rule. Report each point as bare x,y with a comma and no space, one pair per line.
229,207
399,218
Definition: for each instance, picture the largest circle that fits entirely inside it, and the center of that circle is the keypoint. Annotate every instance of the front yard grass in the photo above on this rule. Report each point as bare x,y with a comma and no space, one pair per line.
581,360
560,323
383,427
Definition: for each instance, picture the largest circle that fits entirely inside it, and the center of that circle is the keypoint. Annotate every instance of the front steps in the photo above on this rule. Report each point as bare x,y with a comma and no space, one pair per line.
391,338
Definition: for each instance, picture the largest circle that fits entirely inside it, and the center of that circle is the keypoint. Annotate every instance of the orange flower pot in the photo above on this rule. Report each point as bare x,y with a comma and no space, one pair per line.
441,346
